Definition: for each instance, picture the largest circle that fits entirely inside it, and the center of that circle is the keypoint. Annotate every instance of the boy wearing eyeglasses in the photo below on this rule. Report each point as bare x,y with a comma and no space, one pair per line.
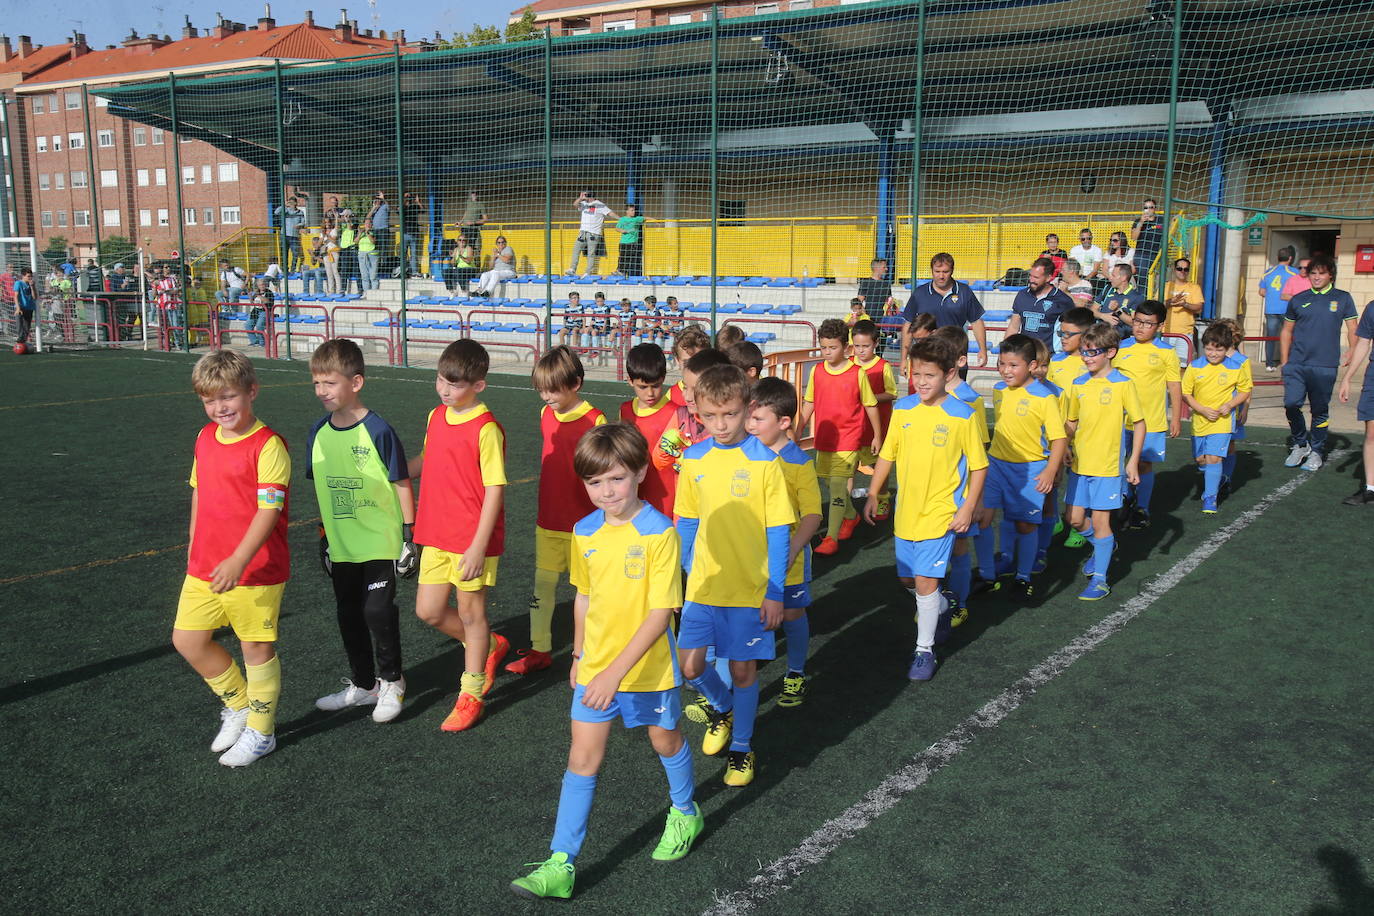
1154,367
1100,402
1063,368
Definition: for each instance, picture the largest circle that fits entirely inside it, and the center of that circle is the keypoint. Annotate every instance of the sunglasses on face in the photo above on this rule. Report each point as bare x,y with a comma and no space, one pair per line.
1182,267
1092,351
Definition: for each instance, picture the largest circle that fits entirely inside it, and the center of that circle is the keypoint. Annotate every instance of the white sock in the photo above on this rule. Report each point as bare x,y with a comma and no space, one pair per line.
927,616
1369,487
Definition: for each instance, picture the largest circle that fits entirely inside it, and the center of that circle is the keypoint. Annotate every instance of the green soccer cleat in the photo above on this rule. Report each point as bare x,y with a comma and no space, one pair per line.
1058,526
793,690
679,834
1075,539
553,878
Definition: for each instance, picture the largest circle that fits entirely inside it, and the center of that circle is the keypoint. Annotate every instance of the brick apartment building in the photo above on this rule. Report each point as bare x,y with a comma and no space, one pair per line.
77,170
578,17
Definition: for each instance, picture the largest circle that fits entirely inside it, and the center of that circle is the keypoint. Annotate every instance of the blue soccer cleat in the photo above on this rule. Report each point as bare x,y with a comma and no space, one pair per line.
1209,505
922,666
1097,590
1042,561
1003,564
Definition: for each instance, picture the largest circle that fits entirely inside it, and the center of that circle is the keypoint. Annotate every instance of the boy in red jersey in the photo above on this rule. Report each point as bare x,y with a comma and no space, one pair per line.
238,562
461,521
563,499
687,342
650,411
839,397
864,338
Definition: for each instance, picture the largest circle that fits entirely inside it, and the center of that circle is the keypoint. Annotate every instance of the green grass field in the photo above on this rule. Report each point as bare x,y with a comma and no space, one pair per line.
1211,755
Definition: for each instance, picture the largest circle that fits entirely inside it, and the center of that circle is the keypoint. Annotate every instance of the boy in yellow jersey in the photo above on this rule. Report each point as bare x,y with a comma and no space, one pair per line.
1101,400
1215,386
1153,365
937,451
461,522
238,561
735,521
840,399
1050,521
563,421
1228,464
1060,371
625,559
864,339
1026,453
770,421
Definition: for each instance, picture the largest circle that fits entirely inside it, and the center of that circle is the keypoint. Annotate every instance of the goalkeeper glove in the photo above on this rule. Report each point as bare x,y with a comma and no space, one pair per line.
325,563
409,561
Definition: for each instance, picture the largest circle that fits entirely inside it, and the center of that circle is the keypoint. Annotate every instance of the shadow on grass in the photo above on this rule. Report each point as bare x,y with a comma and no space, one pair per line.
28,689
1348,879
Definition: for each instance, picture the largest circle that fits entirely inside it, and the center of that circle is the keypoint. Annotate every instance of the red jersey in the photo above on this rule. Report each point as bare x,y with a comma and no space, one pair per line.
461,459
839,399
879,373
233,480
660,483
563,500
678,395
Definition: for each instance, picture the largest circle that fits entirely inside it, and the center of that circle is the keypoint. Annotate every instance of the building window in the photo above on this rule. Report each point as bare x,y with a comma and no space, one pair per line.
104,138
46,219
799,5
42,144
205,173
141,178
582,31
73,99
160,177
679,18
145,217
109,178
228,171
188,174
62,219
188,216
79,179
44,181
764,9
140,136
57,144
76,141
229,216
162,216
109,217
59,181
38,105
620,25
157,136
102,102
81,218
209,216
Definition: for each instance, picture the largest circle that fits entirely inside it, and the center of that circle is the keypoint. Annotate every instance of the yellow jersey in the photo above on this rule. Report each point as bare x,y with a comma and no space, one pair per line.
1027,421
933,449
1213,385
966,393
1101,406
1152,366
626,571
1062,370
804,492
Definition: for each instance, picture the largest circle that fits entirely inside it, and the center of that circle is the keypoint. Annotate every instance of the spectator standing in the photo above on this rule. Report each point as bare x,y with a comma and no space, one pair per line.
1037,307
876,289
275,276
314,273
367,257
331,257
92,279
348,254
952,302
292,218
631,228
1310,350
1297,284
25,302
332,212
379,219
502,268
410,234
470,225
1147,237
1184,300
167,298
1054,253
1088,255
231,284
592,214
1271,288
124,297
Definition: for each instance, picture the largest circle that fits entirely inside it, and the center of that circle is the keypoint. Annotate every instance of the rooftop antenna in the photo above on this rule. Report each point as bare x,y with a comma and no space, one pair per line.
376,15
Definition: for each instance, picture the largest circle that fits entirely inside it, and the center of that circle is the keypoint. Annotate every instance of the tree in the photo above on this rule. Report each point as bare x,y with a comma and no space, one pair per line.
117,248
56,249
524,29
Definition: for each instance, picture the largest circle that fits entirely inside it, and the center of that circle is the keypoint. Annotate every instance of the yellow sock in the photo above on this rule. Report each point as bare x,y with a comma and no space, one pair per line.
230,687
839,506
491,644
541,610
473,683
264,688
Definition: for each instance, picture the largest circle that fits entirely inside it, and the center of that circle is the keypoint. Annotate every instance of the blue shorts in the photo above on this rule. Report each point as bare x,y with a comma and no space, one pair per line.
735,632
1364,409
1239,432
1011,487
653,707
974,529
1152,450
929,558
1100,494
1217,444
798,595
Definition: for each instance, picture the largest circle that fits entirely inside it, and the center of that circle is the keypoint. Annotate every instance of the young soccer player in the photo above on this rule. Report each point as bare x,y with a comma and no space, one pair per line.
685,427
1228,464
687,342
856,313
748,357
674,317
461,522
937,451
1026,453
367,514
1215,386
650,411
735,521
838,396
1050,521
599,324
238,562
1062,368
770,421
1100,401
564,419
922,326
864,337
728,336
625,559
1153,366
574,321
651,320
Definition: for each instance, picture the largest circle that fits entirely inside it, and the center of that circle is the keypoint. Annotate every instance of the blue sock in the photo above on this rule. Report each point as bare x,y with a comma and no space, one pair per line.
960,578
746,710
1088,531
723,670
1102,555
1006,537
680,780
1026,545
798,633
714,690
1046,533
1228,466
1211,480
1144,490
574,809
983,543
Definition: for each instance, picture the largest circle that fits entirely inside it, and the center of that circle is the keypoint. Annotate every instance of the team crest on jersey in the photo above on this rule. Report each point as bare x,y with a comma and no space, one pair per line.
1104,396
1154,359
634,561
939,437
739,484
361,453
1022,409
1333,305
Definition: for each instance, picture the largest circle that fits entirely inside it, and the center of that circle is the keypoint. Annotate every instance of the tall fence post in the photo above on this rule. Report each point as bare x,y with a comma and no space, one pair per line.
90,167
917,103
1170,149
181,222
283,257
715,154
400,197
12,198
548,188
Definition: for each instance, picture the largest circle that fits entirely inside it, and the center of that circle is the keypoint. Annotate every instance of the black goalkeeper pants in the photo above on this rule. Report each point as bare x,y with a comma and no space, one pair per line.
365,594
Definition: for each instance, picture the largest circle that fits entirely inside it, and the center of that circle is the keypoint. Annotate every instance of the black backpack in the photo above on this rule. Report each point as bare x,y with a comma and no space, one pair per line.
1015,276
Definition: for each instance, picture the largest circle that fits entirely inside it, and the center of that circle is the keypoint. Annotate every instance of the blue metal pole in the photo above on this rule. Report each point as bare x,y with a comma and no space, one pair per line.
632,161
885,240
436,220
1216,192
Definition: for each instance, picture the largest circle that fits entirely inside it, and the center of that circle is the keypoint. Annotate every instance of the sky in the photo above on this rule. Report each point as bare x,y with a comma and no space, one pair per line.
109,21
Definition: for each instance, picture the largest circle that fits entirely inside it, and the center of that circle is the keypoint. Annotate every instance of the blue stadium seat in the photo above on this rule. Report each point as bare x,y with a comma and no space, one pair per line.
729,308
702,308
482,325
788,309
997,315
755,282
759,308
679,281
759,338
982,286
811,282
636,281
416,300
385,323
782,282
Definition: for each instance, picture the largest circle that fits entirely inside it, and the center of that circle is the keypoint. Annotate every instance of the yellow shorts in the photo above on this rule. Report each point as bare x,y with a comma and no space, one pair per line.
252,610
551,549
439,567
836,464
868,457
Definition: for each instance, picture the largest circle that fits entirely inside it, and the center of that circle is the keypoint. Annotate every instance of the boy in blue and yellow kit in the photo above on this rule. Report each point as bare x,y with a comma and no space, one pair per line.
1215,386
735,521
1153,365
1100,401
770,421
934,444
1060,371
625,559
238,562
1026,453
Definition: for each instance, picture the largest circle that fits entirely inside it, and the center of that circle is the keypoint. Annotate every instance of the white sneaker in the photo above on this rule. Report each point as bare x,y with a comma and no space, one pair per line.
1313,462
351,695
390,696
251,745
231,724
1296,456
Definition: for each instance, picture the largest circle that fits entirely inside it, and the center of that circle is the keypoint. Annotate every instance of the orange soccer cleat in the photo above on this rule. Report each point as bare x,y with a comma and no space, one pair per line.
827,547
466,713
847,528
530,661
500,645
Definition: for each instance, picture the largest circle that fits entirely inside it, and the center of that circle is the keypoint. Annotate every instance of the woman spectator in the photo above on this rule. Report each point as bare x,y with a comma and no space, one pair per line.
331,257
461,269
348,254
631,228
313,274
367,257
1118,252
502,268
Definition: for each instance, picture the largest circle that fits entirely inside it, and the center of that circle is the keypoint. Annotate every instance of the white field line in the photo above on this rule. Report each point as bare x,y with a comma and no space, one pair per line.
779,875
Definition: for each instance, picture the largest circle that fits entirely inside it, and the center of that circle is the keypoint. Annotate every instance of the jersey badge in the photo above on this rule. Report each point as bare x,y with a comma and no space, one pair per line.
1022,408
939,437
739,484
634,561
1105,395
361,454
1333,305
